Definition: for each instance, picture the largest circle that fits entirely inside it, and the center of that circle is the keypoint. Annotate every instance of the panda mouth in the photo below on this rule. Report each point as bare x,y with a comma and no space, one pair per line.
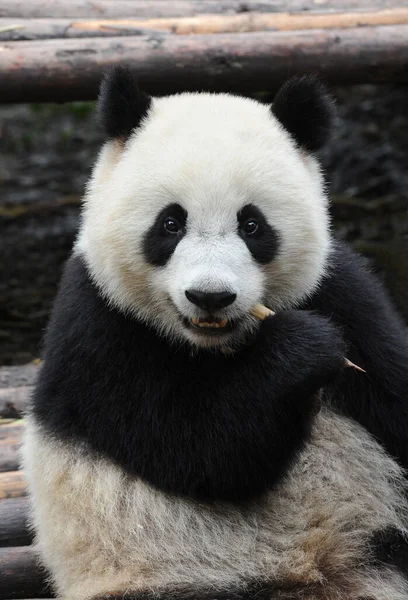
209,324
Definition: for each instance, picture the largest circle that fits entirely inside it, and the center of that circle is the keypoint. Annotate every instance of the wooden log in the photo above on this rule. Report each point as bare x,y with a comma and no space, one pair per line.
63,70
11,429
10,442
20,575
145,9
14,523
19,376
16,384
32,29
12,485
14,401
10,454
42,29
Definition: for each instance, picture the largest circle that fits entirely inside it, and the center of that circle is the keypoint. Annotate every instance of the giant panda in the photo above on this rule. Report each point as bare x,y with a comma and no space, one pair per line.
176,447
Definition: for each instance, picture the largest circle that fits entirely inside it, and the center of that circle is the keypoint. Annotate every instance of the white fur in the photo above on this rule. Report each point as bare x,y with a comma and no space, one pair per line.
99,529
213,154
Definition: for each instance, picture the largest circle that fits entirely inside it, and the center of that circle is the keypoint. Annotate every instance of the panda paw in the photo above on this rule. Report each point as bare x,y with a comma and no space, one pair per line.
303,343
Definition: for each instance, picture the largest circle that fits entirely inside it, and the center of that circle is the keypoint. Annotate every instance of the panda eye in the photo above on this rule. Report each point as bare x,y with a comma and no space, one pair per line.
250,226
172,225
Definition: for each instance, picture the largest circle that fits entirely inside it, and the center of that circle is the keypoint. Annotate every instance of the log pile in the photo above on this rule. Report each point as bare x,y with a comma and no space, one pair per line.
20,576
58,50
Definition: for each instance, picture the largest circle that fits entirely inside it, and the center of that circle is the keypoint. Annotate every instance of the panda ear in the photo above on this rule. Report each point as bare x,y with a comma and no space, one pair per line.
305,108
121,104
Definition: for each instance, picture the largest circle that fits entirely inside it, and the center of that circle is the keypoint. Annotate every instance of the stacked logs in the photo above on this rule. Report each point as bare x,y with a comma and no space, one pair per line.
58,49
20,576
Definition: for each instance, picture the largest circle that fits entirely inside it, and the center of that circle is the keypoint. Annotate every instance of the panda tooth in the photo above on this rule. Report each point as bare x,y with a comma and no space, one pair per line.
208,324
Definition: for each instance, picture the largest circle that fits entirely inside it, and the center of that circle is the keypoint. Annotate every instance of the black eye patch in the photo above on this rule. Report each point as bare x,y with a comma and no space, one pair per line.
261,239
163,236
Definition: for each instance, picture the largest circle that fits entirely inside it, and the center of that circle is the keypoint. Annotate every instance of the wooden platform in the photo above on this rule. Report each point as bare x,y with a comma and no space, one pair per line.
20,576
57,50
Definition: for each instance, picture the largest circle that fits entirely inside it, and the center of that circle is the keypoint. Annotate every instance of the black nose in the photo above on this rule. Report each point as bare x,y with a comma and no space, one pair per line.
210,301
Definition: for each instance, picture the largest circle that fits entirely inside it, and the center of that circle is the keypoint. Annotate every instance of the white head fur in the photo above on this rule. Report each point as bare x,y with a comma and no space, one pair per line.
213,155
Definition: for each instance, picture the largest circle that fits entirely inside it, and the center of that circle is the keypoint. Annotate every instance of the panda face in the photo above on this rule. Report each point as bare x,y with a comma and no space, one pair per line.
207,209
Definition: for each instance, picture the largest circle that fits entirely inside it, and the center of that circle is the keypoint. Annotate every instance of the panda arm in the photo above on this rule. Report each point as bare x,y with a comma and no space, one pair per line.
376,340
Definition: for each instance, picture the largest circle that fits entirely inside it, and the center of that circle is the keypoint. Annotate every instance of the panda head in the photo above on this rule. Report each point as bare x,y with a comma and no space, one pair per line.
202,205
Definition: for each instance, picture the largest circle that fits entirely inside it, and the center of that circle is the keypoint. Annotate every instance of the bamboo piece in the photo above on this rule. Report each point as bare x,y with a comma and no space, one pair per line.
69,69
171,8
261,312
12,485
31,29
14,523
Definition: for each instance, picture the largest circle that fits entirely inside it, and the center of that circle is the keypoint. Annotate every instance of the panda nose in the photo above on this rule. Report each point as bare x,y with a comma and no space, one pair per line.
210,301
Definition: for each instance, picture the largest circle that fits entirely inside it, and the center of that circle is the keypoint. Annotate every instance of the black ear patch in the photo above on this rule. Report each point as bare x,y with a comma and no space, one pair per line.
121,104
305,108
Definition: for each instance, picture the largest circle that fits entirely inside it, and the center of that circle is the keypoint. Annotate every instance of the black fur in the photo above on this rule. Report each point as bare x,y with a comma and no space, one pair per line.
306,110
390,547
159,244
264,243
208,425
121,104
377,341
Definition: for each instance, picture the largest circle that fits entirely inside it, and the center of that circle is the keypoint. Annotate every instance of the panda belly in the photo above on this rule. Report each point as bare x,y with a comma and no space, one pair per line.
100,530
